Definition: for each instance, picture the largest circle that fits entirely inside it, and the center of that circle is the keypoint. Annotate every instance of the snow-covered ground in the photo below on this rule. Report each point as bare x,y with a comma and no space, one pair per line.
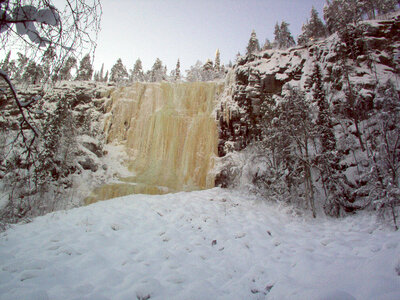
212,244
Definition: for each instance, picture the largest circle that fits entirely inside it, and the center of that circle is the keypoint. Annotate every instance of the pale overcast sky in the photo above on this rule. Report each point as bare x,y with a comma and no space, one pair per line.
191,30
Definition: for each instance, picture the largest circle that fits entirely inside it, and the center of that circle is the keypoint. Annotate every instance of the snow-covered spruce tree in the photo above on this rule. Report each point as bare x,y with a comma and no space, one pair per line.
267,45
288,134
96,76
46,63
33,73
217,61
6,64
327,157
253,46
65,71
382,176
157,72
195,72
56,159
283,37
313,29
339,13
219,70
85,70
101,73
137,74
208,73
377,7
21,63
297,126
178,70
277,183
176,73
118,72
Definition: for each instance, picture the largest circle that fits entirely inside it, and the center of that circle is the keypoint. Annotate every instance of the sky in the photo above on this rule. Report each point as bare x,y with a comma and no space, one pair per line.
190,30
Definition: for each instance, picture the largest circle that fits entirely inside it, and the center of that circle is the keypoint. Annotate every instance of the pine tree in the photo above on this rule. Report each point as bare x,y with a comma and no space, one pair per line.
382,178
157,72
327,159
296,126
33,73
267,45
177,73
339,13
55,160
85,70
253,45
386,6
165,77
312,29
217,61
118,72
208,71
277,34
5,66
137,74
96,76
283,37
8,65
195,72
373,7
101,73
324,123
22,62
65,71
47,61
106,77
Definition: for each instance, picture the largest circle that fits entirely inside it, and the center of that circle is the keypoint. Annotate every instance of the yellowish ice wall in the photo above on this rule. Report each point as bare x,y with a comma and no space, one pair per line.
169,132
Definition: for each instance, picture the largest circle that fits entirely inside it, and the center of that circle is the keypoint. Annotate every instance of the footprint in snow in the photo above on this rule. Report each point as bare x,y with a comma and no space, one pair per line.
27,275
240,235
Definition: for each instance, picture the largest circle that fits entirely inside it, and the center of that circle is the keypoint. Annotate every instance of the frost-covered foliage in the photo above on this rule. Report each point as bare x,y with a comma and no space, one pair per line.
339,13
137,74
118,72
380,177
253,45
85,70
283,37
208,71
65,71
311,115
176,73
44,177
158,72
313,29
48,33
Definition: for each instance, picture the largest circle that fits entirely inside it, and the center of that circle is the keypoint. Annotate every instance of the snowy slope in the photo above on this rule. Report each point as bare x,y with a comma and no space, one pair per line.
212,244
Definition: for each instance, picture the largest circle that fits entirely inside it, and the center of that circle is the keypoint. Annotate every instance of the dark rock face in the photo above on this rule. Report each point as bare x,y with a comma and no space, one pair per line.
270,85
88,164
96,149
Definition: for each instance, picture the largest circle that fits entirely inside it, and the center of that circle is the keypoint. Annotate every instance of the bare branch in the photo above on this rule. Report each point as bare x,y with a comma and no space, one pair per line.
18,102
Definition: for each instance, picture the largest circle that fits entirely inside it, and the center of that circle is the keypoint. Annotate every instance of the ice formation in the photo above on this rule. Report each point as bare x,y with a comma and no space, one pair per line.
169,133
